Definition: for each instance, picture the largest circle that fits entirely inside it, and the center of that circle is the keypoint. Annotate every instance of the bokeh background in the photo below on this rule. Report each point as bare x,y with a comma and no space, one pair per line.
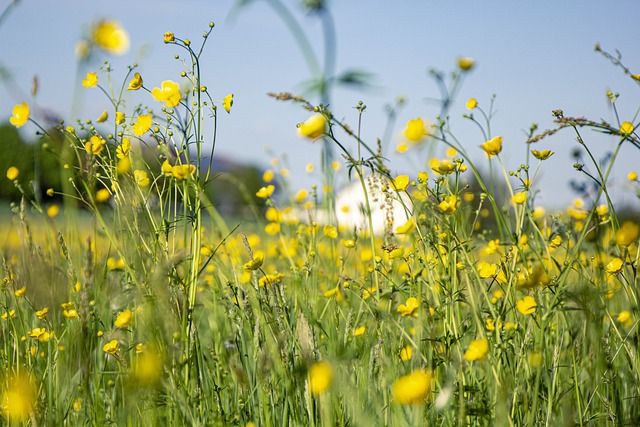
534,56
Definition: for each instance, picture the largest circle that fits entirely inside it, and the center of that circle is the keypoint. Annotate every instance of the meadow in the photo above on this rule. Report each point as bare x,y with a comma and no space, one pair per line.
127,299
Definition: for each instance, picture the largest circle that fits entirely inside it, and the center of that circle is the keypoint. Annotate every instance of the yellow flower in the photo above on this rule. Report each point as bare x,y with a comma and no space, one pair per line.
124,319
169,37
41,314
265,192
142,125
103,117
493,146
442,167
70,313
624,317
91,80
415,130
410,308
119,117
449,205
615,266
255,263
402,148
400,182
272,228
147,368
487,270
472,103
320,377
359,331
122,151
182,172
53,211
110,36
19,293
412,388
330,231
141,178
227,102
20,115
301,195
406,353
477,350
519,198
136,82
633,176
9,314
102,195
542,155
527,305
95,145
111,347
169,93
12,173
314,127
113,264
627,234
466,63
626,128
39,334
18,399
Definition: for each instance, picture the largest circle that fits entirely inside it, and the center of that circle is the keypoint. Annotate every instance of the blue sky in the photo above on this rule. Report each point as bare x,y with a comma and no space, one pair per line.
535,56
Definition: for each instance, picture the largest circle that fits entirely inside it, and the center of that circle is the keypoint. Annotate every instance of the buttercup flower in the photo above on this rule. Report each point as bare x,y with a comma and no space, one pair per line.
400,182
18,399
91,80
227,102
111,347
320,377
169,37
615,266
12,173
627,233
632,176
412,388
626,128
410,308
182,172
103,117
415,130
169,93
122,151
449,205
119,117
471,103
542,155
466,63
141,178
255,263
492,146
406,353
519,198
265,192
124,319
477,350
136,82
110,36
19,115
406,228
527,305
314,127
142,125
95,145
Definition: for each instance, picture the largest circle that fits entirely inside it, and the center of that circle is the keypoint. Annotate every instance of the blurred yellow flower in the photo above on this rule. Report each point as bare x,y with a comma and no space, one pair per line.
359,331
449,205
466,63
141,178
227,102
627,233
442,167
142,124
95,145
119,117
91,80
255,263
41,314
102,195
314,127
320,377
136,82
542,155
19,115
147,368
410,308
110,36
633,176
472,103
265,192
402,148
111,347
493,146
624,317
103,117
182,172
406,353
416,130
18,398
168,92
615,266
12,173
124,319
626,128
487,270
53,211
330,231
122,151
477,350
527,305
412,388
519,198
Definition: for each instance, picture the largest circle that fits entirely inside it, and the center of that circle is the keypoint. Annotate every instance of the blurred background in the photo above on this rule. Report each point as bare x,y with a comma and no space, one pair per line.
534,56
